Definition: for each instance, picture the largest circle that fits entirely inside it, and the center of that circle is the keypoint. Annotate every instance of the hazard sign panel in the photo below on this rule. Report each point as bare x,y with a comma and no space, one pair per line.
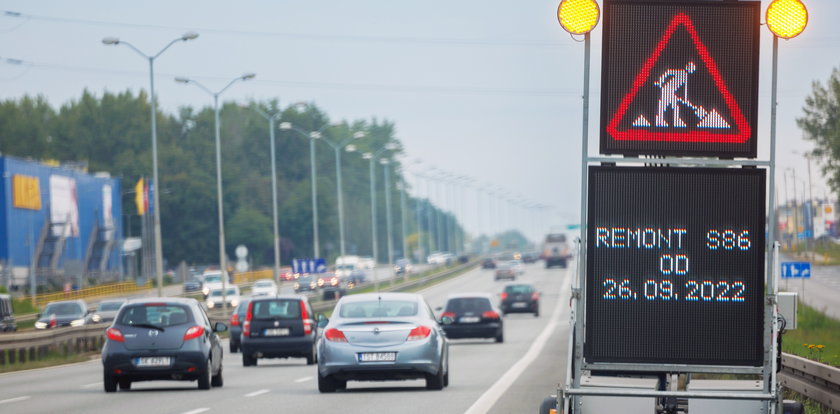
680,78
675,266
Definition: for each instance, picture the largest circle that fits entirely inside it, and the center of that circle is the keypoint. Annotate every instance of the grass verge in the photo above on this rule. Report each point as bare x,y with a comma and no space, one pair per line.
817,336
52,359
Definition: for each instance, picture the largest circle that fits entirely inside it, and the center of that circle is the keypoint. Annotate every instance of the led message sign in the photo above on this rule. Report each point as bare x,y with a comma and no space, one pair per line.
675,266
680,78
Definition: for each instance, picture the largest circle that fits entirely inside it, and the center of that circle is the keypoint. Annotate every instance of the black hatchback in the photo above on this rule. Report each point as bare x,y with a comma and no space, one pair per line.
472,316
520,297
278,327
162,339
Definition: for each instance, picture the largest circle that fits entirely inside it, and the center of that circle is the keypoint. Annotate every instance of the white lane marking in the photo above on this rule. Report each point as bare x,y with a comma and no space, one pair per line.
304,379
16,399
196,411
92,384
256,393
484,403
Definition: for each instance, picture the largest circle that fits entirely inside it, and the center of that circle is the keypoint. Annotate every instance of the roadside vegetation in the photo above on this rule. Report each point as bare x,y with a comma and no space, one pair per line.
817,337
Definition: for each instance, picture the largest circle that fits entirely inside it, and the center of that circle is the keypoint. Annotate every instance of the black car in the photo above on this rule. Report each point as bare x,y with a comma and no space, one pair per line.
162,339
472,316
520,297
488,263
306,283
7,316
236,324
192,285
278,327
63,313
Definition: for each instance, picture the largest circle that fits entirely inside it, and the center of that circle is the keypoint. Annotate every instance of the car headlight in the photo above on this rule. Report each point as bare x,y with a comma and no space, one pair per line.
96,317
234,302
77,322
297,286
205,290
40,325
211,305
334,281
312,285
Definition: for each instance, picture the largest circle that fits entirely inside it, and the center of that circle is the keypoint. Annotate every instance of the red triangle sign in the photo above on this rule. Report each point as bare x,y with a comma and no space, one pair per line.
643,129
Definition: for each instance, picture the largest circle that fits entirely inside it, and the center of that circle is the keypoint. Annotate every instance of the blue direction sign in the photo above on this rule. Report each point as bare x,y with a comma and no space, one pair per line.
309,265
796,270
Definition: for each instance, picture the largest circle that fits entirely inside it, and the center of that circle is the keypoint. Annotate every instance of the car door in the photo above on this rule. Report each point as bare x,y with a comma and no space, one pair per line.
214,343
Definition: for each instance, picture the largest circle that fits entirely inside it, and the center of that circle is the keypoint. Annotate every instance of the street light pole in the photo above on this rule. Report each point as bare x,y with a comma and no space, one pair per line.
156,194
371,157
271,119
219,195
386,165
337,148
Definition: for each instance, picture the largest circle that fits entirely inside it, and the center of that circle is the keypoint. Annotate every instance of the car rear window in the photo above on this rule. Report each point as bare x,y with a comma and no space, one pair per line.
461,305
242,309
64,309
162,314
378,309
276,309
518,289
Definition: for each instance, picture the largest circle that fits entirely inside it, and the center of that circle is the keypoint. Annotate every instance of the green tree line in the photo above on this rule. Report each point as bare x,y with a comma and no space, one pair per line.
112,133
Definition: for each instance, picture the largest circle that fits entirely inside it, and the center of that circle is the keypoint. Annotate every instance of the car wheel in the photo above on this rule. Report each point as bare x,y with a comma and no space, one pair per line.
500,337
446,377
537,313
218,380
125,384
109,383
311,358
233,348
326,383
548,404
204,379
248,361
437,381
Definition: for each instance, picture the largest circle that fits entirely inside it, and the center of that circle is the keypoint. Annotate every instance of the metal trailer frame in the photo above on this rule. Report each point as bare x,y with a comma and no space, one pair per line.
570,395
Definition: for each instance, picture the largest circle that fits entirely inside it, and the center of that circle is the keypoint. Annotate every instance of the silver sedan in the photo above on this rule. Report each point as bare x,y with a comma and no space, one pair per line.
382,336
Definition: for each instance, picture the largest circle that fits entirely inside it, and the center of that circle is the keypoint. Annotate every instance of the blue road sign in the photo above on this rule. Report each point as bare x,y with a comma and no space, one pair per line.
309,265
796,270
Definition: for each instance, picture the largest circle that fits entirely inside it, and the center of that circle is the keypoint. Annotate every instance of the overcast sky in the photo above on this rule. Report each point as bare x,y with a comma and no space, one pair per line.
487,89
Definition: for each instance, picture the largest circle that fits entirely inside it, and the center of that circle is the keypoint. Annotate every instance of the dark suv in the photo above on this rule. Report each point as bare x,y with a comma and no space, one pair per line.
278,327
7,317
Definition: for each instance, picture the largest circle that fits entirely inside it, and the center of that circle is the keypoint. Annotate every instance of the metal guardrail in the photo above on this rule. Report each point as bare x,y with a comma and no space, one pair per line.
815,380
101,290
33,345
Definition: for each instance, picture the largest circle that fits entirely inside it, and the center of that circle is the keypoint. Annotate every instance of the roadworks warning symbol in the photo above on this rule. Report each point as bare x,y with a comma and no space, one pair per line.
679,95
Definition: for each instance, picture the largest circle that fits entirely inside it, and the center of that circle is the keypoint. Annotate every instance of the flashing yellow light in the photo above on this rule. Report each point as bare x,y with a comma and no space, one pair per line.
578,16
786,18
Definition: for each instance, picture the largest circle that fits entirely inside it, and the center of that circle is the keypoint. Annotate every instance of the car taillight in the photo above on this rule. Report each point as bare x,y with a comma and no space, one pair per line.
246,326
234,319
449,314
490,315
504,295
194,332
307,323
53,321
114,334
334,335
535,296
418,333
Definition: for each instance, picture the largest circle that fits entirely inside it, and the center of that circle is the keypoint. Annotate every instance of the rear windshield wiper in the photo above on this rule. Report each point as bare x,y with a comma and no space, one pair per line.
147,325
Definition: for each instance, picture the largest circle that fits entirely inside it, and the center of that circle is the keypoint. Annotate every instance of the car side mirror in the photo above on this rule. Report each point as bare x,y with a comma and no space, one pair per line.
220,327
446,320
38,316
322,320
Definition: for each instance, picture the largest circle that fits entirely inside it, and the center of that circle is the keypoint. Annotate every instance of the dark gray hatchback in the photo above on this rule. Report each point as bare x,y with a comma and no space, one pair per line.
162,339
278,327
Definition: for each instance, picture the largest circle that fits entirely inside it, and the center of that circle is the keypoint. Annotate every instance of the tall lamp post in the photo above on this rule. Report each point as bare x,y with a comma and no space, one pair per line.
156,199
272,118
337,146
215,95
386,165
371,157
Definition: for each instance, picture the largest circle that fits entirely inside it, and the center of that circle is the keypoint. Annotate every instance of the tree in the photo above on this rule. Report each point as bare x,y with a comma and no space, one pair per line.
821,124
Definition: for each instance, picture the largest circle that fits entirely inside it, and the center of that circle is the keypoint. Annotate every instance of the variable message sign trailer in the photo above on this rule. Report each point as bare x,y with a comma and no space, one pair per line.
675,258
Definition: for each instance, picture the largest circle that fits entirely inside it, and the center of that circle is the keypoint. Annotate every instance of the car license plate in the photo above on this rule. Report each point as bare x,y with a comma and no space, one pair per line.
377,356
520,305
469,319
277,332
153,362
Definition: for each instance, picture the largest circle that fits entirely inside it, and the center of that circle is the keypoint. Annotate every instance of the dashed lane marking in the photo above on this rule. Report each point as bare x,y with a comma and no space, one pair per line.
304,379
256,393
16,399
197,411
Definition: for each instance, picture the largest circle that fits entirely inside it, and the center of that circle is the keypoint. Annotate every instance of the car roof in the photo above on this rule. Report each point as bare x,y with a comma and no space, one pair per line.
469,295
181,301
287,296
361,297
79,301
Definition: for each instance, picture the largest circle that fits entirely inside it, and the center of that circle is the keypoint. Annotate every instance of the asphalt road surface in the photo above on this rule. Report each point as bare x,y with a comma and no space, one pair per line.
485,377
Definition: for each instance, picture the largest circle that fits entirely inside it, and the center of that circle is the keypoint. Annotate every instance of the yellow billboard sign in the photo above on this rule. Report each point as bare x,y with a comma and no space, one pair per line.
26,192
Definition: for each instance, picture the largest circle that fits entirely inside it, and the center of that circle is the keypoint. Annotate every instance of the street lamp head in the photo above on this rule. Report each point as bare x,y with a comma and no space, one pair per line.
315,135
359,134
384,161
248,76
367,156
189,36
111,40
350,148
182,80
285,126
391,146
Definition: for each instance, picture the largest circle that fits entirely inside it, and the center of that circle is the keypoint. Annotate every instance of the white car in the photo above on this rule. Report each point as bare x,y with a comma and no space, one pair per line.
212,280
216,300
517,266
264,287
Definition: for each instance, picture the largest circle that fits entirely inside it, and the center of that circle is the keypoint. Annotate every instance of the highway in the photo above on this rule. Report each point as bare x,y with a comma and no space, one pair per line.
486,377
